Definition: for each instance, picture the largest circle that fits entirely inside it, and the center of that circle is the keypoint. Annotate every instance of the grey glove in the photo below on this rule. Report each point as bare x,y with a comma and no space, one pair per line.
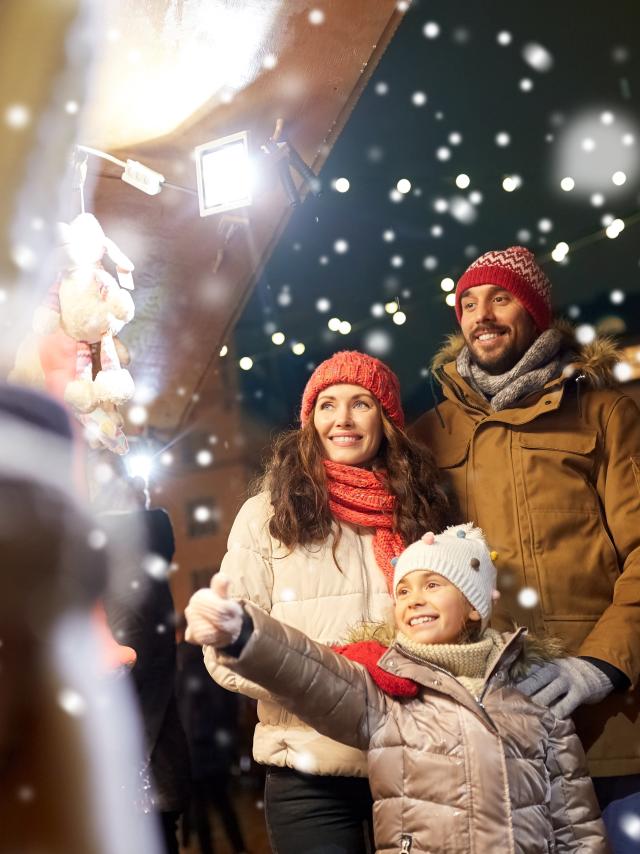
565,684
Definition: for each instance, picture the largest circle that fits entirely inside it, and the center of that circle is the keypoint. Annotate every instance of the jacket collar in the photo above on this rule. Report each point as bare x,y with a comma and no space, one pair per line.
548,398
595,361
591,363
401,663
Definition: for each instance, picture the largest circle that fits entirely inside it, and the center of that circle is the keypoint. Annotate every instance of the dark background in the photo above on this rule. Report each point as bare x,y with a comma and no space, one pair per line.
473,89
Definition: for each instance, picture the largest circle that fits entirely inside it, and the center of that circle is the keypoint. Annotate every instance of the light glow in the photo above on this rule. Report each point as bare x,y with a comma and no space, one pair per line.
614,229
223,173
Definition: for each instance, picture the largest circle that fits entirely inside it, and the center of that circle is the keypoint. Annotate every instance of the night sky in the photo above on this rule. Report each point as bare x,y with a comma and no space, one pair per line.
534,92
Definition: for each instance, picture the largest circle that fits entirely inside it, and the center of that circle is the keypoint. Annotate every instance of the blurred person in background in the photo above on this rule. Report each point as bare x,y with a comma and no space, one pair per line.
209,714
140,613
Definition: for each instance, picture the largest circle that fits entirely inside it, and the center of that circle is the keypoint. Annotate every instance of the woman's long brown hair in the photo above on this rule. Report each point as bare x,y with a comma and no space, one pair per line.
296,480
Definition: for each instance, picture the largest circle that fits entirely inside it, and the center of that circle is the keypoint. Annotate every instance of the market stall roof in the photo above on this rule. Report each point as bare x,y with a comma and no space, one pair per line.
175,75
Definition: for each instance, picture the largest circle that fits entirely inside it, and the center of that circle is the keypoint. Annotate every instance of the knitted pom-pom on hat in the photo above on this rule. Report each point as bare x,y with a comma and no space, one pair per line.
353,368
514,269
460,554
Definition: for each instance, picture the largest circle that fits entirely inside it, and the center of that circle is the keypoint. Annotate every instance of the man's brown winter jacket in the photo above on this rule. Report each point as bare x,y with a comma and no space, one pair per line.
554,482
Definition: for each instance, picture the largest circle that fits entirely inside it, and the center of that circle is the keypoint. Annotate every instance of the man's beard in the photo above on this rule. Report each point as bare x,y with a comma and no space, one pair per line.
499,363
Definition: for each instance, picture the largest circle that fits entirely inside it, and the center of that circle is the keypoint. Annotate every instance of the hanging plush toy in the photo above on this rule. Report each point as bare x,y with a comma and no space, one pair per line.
85,308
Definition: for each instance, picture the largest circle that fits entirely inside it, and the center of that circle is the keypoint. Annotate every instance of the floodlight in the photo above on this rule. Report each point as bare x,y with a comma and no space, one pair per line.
223,172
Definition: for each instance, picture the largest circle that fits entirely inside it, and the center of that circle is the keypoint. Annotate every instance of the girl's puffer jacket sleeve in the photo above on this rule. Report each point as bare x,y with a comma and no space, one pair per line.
443,772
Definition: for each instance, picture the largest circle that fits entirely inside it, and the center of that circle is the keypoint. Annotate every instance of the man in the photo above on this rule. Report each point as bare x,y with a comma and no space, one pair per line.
543,452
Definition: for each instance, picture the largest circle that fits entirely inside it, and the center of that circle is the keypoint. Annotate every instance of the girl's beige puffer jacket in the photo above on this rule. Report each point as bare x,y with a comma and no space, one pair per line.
305,589
449,774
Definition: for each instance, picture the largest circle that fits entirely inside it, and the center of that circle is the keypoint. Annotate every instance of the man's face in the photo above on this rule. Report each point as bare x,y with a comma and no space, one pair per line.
498,330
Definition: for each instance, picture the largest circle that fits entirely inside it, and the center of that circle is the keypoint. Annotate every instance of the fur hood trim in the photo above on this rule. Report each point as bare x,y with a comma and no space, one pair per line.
594,361
534,649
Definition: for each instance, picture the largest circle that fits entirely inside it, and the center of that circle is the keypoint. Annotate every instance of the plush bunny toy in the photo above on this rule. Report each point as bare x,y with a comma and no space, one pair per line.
86,306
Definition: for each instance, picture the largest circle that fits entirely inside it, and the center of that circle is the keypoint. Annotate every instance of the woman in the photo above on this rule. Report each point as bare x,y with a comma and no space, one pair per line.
340,498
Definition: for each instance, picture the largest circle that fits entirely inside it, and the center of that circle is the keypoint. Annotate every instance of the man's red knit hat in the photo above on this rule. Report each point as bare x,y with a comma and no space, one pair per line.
515,270
354,368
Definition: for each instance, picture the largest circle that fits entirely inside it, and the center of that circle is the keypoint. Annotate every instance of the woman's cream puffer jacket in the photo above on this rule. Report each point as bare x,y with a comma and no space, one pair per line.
305,589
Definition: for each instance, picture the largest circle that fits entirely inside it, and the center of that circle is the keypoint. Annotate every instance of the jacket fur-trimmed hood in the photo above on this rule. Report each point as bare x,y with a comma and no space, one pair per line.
534,649
594,361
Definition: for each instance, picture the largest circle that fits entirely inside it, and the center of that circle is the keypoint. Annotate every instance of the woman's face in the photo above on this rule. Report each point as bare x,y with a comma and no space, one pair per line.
348,422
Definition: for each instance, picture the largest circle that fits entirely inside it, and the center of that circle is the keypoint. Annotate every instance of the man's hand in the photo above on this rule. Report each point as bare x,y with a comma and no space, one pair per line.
565,684
212,617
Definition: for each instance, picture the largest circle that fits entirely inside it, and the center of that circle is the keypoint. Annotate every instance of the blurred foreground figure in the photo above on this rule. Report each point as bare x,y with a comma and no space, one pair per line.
68,730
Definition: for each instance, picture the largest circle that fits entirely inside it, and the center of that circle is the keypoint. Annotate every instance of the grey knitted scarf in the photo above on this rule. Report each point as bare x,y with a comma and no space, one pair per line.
539,364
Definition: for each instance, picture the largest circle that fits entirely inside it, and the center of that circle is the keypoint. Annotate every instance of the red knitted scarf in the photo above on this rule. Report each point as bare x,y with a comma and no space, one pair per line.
358,496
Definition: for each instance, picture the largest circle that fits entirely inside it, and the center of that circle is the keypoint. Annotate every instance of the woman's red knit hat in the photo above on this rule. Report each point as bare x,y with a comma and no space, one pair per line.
354,368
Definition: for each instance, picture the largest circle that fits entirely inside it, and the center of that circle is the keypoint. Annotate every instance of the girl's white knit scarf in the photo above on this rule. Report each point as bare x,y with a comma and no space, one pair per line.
468,662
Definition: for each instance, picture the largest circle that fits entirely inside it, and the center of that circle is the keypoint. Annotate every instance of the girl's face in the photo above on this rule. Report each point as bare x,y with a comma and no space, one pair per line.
430,609
348,422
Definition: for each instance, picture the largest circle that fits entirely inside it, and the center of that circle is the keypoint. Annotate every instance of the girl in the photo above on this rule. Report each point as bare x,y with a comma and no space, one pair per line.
459,760
340,498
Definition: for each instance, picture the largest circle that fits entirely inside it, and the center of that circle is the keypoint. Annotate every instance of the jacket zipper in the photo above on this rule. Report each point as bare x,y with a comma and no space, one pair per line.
446,672
487,681
406,841
365,582
496,666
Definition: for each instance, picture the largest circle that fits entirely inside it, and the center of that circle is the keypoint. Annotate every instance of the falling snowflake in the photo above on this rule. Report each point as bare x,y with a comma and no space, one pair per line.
72,702
527,597
431,30
462,210
17,116
204,457
97,539
378,342
537,56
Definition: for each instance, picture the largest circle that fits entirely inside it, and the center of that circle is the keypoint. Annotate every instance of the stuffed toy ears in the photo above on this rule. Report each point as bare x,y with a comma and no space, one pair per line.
118,257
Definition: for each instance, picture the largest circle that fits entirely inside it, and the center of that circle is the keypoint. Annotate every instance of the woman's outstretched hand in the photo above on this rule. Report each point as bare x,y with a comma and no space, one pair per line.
212,617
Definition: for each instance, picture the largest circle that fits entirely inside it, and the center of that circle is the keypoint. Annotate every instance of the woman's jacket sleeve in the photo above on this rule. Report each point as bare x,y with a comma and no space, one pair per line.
247,564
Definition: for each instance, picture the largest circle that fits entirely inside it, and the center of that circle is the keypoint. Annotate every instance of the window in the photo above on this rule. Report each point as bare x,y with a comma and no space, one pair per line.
203,517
